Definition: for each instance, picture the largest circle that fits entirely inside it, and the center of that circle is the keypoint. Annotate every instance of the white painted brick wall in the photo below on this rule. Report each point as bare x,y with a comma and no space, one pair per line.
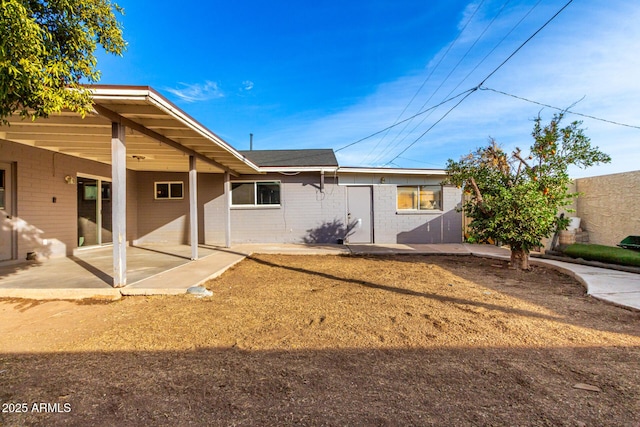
391,226
303,209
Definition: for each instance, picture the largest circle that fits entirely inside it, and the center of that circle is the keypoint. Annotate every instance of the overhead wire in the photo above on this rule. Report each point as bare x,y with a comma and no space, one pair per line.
391,148
425,81
496,46
495,70
525,42
433,125
400,122
466,92
557,108
419,161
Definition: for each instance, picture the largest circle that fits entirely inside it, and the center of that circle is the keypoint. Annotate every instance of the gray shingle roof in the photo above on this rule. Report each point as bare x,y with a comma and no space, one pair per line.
292,158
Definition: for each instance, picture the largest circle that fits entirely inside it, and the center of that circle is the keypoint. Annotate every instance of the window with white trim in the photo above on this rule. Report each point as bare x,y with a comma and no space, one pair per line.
419,197
255,193
166,190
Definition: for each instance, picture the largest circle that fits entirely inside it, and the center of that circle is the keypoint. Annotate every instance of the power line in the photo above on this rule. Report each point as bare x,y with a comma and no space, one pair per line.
525,42
407,119
486,56
466,94
559,109
496,46
419,161
433,125
433,70
485,79
391,148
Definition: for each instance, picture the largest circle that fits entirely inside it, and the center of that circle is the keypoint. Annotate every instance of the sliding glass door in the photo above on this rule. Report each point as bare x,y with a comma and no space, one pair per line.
94,212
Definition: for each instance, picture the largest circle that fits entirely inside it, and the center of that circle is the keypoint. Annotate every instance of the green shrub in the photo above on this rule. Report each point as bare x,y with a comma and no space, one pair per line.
603,253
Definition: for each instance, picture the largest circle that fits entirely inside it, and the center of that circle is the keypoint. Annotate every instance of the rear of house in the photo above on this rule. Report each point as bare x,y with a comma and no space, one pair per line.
143,166
304,196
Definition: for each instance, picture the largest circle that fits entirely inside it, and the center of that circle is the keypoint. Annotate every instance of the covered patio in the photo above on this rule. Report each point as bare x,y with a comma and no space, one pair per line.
151,270
132,129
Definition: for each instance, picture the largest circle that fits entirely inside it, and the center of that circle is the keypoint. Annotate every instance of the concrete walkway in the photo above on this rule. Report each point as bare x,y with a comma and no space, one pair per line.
157,272
616,287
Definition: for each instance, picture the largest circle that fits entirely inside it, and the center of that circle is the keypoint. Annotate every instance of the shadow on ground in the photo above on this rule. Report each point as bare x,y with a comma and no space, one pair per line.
226,386
556,292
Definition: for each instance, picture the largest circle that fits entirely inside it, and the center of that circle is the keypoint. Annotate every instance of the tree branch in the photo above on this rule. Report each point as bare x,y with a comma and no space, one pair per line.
480,200
516,154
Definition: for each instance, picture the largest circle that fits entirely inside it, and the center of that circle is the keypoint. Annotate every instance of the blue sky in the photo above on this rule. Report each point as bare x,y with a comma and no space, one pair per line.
328,74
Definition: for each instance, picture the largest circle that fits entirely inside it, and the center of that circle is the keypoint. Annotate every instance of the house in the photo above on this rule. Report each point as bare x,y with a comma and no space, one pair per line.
322,202
139,170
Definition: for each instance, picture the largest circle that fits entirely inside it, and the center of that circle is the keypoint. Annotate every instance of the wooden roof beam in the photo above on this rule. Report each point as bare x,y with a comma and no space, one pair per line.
117,118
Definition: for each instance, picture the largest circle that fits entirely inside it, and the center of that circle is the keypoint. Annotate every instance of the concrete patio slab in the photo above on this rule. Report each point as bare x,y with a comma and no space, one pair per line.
601,280
617,287
88,273
290,249
64,278
416,249
177,280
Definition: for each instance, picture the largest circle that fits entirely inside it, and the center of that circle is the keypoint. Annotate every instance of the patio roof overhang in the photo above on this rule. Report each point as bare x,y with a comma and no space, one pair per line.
159,135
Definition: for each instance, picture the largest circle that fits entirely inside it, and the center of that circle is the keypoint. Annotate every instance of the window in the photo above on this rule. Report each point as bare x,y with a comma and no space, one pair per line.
169,190
106,191
255,193
91,191
420,197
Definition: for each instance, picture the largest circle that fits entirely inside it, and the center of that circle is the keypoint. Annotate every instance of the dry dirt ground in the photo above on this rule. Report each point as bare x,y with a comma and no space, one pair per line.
329,340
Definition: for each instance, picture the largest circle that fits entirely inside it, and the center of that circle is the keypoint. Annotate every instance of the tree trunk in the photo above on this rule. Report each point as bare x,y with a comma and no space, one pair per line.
519,259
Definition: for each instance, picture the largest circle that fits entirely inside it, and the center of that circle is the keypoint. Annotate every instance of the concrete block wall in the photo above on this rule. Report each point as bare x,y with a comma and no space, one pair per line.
308,215
305,213
132,205
609,206
162,221
167,221
211,211
43,226
393,226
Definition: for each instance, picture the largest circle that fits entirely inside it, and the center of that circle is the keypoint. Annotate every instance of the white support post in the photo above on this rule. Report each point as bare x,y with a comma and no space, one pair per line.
193,207
119,204
227,210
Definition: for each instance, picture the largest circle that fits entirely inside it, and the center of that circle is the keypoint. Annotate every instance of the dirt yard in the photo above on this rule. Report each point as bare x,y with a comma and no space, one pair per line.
329,340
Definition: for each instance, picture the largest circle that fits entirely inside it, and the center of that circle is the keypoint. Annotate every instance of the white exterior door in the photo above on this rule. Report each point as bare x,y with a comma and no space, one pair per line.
359,215
6,209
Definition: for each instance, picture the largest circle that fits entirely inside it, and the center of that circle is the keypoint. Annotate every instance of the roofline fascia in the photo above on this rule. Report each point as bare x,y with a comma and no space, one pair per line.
392,171
293,169
136,93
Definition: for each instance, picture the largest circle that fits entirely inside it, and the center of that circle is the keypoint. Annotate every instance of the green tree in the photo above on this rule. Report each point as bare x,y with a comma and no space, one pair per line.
516,199
47,48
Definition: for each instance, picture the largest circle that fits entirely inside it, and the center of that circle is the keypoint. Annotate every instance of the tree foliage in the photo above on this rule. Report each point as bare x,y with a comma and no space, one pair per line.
516,199
47,48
